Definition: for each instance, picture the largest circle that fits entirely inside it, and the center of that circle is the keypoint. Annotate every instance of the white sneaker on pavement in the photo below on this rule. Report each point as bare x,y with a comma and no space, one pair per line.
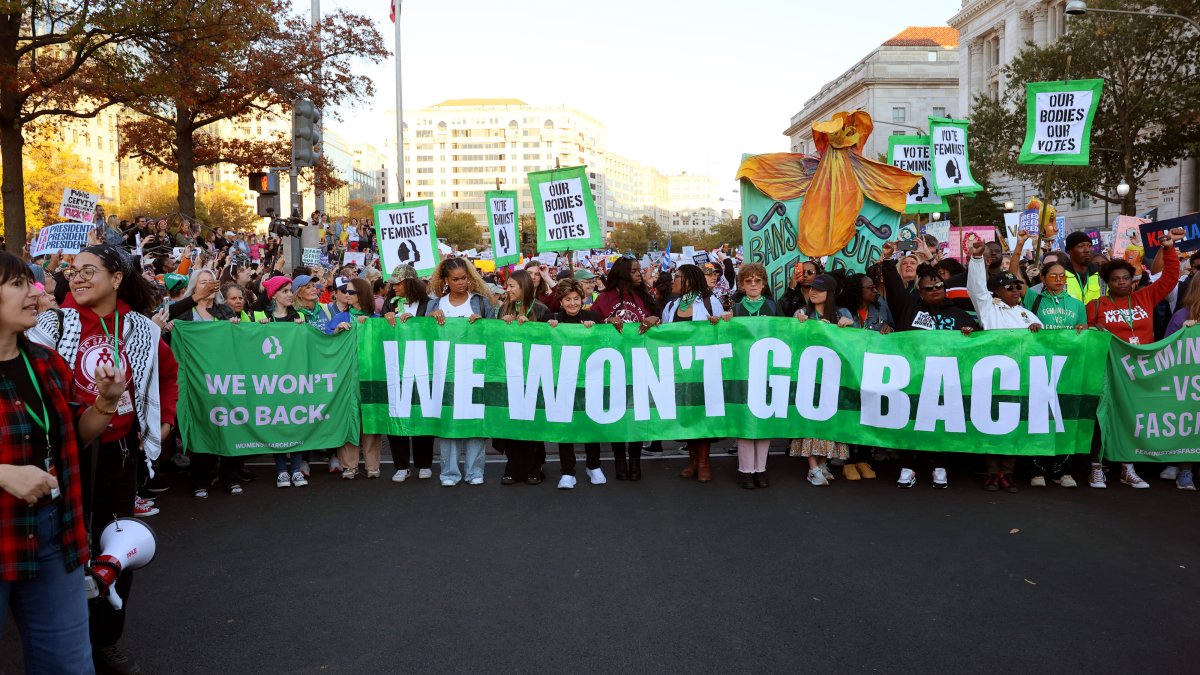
908,478
1169,473
335,465
449,483
566,482
939,478
596,476
817,477
283,480
1037,481
424,473
400,476
1066,481
298,480
1096,477
826,472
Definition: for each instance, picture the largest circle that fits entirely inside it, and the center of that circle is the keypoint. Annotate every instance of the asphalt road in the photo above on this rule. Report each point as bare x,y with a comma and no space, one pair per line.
667,576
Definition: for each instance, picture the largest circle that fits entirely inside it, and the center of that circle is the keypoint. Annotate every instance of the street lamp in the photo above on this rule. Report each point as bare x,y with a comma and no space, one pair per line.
1122,189
1079,8
1009,206
936,215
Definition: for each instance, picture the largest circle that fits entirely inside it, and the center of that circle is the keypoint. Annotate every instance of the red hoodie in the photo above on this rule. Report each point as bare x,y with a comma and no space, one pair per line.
96,348
1115,316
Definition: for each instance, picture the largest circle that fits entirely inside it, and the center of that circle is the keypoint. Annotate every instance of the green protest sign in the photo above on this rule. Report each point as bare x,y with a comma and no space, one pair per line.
246,389
1058,122
565,210
503,220
911,153
950,158
406,234
769,236
1009,392
1151,407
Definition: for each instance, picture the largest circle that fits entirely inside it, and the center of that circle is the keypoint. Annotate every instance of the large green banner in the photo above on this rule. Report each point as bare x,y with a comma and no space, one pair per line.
246,389
1008,392
1151,408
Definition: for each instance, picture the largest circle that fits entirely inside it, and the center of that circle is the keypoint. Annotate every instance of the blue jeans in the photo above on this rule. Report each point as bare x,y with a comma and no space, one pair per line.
283,459
475,450
51,611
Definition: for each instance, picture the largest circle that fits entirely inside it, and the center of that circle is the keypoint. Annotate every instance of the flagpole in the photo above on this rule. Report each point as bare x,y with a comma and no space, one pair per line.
399,108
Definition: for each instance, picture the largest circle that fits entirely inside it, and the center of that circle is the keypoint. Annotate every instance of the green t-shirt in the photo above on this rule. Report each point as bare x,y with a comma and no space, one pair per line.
1056,311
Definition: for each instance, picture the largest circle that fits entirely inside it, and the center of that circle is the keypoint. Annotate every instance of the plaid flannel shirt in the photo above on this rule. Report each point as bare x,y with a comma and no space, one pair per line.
18,521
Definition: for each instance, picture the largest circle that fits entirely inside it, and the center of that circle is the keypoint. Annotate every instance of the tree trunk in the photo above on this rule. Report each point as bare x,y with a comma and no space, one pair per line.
12,143
185,157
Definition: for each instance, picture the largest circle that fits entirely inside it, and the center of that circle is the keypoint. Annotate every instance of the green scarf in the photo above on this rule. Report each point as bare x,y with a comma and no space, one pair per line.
753,306
685,303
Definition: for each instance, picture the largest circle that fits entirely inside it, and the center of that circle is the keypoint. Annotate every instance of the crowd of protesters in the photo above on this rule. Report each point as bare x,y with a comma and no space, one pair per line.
109,311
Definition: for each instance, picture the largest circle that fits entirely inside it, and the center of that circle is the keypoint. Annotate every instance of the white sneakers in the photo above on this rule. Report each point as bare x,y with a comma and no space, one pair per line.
400,476
939,478
908,478
424,473
817,477
826,472
335,465
1066,481
566,483
596,476
1130,478
475,481
449,483
298,479
1037,481
1169,473
283,480
1096,477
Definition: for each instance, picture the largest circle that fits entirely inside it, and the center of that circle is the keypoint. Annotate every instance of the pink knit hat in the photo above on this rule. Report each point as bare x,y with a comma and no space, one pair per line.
272,285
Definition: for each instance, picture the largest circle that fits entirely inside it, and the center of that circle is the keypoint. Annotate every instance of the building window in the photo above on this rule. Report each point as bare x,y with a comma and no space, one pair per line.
932,56
939,111
897,114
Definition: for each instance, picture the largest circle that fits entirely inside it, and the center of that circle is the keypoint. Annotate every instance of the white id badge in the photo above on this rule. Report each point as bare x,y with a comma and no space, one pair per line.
125,405
1134,340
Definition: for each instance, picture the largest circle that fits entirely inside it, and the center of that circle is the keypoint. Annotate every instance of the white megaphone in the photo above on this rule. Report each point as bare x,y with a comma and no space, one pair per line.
126,544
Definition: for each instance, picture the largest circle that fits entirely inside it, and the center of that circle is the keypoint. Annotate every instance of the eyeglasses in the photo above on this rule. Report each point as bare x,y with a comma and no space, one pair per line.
1014,286
1058,276
809,273
83,273
935,287
754,280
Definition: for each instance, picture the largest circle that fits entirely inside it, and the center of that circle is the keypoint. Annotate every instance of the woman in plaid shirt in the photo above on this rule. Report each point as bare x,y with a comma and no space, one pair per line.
43,544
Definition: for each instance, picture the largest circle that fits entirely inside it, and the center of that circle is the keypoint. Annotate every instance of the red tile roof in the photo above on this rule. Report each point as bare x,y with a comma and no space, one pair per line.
925,36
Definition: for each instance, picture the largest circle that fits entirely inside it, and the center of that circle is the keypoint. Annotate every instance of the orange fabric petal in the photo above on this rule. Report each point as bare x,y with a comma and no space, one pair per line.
782,176
883,183
831,206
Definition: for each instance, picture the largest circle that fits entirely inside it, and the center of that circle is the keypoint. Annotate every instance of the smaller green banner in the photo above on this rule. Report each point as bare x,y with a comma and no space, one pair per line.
1150,410
248,389
565,210
950,158
1058,122
406,234
503,220
911,153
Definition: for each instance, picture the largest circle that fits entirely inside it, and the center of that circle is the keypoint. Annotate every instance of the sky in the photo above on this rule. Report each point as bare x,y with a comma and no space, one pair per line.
682,86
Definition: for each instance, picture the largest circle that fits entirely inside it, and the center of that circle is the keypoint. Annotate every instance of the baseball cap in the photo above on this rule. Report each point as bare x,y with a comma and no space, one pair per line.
402,272
302,280
1006,278
583,275
174,282
340,283
825,282
710,268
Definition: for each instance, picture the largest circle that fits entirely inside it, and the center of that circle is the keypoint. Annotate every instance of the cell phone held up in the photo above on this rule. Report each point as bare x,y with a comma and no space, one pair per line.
908,246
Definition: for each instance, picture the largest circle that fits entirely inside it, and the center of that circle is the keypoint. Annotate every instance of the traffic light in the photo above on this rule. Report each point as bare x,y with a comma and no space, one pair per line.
264,183
268,205
306,133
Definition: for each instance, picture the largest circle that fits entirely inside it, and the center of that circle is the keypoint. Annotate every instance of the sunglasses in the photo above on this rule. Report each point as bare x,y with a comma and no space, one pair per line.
1056,276
935,287
1014,286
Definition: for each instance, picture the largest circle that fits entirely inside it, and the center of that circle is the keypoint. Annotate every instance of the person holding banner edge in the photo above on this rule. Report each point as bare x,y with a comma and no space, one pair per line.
1128,314
571,294
694,301
525,458
753,302
460,293
408,296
